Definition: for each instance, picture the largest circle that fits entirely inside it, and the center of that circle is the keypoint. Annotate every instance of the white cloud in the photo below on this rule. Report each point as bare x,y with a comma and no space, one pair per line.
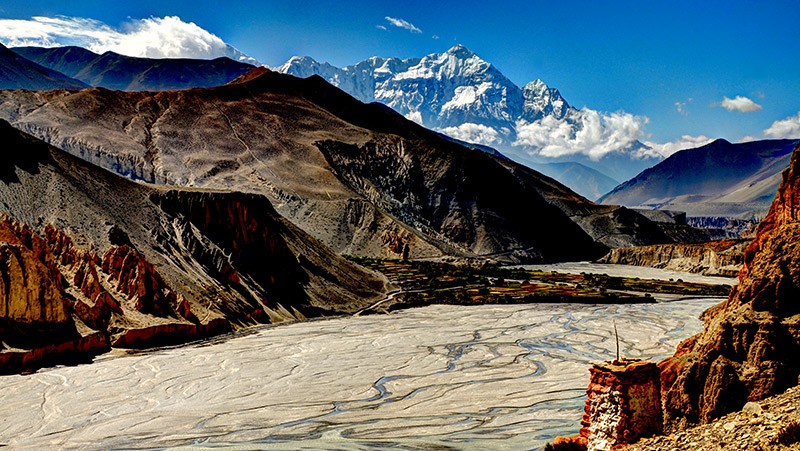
380,27
155,37
685,142
435,37
741,104
584,131
404,24
474,133
681,107
596,135
784,128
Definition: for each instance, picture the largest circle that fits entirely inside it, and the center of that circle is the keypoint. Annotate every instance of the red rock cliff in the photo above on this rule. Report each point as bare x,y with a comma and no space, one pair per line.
31,287
138,279
750,346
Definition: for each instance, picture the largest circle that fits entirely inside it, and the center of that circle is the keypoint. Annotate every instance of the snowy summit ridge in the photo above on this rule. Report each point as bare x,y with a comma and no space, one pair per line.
455,92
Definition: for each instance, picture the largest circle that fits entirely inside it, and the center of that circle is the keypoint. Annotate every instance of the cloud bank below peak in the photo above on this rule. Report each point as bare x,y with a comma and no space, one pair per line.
582,132
154,37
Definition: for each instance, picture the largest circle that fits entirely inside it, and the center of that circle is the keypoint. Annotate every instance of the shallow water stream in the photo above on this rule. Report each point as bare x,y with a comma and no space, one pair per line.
487,377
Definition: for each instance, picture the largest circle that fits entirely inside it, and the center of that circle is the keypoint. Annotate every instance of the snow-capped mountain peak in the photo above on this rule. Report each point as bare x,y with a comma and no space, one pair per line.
535,87
460,51
456,92
542,100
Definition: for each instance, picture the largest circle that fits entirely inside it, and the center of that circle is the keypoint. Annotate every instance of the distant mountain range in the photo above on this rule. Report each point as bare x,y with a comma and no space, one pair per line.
17,72
718,179
456,93
464,96
359,177
451,89
113,71
593,183
453,92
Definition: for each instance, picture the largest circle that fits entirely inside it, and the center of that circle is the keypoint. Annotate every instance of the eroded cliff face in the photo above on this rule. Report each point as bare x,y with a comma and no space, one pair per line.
750,346
56,294
33,301
717,258
62,301
458,202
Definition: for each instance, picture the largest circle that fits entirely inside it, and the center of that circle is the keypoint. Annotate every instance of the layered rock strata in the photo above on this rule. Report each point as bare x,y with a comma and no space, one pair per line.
716,258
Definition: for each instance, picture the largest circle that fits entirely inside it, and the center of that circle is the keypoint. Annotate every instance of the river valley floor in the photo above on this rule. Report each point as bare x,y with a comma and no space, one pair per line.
442,376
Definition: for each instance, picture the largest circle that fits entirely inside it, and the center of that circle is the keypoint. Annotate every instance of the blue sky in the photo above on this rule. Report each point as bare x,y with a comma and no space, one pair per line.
646,58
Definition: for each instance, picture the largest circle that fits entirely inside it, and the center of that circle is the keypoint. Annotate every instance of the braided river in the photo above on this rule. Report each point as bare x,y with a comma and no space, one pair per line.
439,377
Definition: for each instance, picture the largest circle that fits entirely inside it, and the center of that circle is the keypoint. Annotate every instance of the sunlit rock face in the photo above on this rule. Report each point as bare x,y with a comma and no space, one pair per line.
33,298
716,258
484,377
750,347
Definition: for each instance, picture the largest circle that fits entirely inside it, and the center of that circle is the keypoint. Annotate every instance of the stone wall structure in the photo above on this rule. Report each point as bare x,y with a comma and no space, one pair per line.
623,404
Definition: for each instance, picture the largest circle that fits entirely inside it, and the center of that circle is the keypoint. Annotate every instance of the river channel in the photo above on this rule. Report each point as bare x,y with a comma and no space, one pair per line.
438,377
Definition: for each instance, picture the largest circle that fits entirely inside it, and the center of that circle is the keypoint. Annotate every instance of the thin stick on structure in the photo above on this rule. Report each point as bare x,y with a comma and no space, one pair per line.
616,335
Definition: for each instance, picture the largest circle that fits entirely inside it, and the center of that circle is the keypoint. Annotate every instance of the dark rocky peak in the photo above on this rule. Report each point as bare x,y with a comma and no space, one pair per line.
114,71
18,72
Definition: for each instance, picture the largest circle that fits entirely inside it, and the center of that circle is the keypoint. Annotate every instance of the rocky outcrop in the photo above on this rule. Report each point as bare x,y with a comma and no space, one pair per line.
31,288
716,258
138,279
36,323
750,345
82,268
78,350
33,303
769,424
169,334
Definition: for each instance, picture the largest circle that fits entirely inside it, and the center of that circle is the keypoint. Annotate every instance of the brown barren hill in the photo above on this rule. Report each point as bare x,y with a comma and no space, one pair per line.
359,177
84,252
